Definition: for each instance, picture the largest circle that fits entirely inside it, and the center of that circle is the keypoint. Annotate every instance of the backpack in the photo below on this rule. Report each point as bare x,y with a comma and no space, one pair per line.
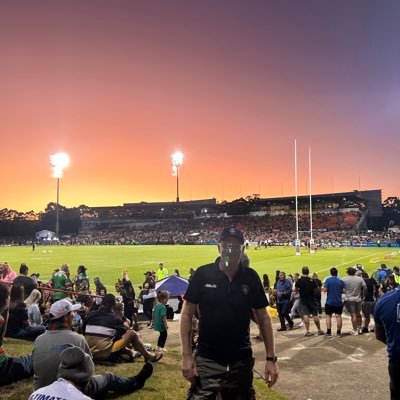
170,312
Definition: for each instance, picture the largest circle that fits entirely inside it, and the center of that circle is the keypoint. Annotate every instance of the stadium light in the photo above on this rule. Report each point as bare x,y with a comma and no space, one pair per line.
58,162
177,160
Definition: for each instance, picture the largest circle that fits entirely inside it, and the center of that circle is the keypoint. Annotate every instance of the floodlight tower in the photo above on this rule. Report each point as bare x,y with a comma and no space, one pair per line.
177,159
58,162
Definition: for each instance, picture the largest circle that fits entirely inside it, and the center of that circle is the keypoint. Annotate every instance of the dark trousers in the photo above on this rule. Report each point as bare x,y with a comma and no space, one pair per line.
233,381
28,333
283,311
394,374
99,385
162,339
16,368
148,308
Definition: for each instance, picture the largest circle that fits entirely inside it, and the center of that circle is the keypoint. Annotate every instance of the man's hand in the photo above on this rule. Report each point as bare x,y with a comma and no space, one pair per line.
189,370
271,373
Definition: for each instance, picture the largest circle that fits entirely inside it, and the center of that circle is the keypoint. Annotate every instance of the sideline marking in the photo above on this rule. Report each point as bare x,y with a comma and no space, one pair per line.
350,261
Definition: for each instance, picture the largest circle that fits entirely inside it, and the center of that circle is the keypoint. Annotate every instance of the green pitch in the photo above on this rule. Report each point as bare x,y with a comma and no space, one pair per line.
108,262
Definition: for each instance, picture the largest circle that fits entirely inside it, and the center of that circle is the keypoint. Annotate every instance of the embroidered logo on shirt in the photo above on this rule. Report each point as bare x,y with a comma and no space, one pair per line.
209,285
245,289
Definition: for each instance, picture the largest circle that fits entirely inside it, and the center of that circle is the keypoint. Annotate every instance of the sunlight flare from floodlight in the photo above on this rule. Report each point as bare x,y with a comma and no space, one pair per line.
59,162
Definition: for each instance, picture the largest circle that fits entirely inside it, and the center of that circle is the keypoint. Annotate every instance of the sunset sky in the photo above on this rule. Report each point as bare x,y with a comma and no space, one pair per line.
121,85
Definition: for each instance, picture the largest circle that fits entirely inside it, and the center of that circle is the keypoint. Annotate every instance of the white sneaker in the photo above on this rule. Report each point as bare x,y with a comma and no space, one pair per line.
162,350
354,333
301,323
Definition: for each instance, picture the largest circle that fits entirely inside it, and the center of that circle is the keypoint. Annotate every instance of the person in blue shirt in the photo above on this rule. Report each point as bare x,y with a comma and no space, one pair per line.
387,330
283,291
333,286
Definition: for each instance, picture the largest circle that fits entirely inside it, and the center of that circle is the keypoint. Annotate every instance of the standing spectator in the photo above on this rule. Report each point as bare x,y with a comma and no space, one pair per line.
308,288
354,290
150,280
283,291
61,281
266,283
295,298
333,286
128,297
32,303
148,296
161,272
82,284
383,274
389,284
191,273
18,323
370,298
225,293
26,281
12,369
396,273
160,319
100,288
387,330
318,294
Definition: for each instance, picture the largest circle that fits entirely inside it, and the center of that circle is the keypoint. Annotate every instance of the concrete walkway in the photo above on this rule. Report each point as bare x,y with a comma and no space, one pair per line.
316,368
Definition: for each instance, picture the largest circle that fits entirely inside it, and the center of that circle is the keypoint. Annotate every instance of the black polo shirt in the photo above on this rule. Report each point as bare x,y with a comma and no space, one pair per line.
307,289
225,308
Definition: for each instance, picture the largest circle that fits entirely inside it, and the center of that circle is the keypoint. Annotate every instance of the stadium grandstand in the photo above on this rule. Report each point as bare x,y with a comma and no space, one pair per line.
336,217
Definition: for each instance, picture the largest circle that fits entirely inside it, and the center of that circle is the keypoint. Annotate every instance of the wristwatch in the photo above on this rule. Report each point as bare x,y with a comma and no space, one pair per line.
274,359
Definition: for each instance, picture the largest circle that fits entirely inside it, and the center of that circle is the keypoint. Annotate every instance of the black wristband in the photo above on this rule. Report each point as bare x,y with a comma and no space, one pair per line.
274,359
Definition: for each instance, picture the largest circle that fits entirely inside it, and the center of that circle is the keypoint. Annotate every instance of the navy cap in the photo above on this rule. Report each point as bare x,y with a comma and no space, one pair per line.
232,232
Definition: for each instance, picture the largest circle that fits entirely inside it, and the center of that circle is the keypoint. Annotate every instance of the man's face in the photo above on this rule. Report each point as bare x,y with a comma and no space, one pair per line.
161,266
231,251
282,276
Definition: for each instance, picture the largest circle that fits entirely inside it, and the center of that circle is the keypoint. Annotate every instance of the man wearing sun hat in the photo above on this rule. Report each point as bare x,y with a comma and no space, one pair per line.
225,293
75,370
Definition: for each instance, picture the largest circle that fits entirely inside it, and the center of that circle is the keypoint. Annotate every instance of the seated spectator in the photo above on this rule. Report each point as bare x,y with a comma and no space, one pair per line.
18,323
12,369
75,376
7,274
32,303
106,334
26,281
48,348
74,372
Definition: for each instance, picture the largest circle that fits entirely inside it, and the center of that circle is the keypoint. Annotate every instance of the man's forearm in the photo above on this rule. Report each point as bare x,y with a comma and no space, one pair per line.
267,333
186,333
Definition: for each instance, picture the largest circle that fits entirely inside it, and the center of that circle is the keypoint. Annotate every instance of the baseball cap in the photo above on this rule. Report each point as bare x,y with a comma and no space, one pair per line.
62,307
358,272
232,232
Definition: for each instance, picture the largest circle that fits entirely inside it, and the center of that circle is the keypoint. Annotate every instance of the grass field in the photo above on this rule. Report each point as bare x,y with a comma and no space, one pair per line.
107,262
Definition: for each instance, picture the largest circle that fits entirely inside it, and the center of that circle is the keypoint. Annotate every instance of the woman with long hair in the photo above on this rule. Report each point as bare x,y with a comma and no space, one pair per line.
32,303
18,323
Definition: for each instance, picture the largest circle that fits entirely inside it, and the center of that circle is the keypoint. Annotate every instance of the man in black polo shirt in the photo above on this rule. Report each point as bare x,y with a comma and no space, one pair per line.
225,293
308,289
